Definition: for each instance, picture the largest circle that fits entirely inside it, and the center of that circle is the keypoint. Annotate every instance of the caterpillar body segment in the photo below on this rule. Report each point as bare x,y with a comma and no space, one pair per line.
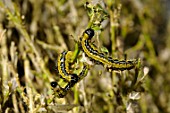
63,65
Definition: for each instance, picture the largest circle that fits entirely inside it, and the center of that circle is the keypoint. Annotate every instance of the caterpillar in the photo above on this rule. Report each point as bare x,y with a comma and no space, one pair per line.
93,53
66,74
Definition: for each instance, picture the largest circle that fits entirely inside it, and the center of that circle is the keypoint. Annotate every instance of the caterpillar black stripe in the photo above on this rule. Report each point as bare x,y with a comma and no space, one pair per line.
92,52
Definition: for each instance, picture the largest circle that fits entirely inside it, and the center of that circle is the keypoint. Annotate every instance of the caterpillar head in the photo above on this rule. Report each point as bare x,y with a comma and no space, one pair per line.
89,33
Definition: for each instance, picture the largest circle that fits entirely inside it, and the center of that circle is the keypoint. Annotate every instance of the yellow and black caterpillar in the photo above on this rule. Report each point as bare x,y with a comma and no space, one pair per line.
64,71
93,53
